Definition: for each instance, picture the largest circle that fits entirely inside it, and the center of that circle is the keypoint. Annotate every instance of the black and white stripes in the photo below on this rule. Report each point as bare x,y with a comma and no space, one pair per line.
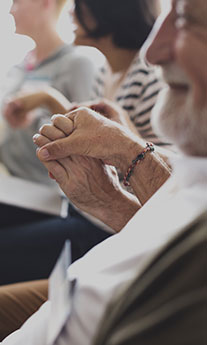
137,94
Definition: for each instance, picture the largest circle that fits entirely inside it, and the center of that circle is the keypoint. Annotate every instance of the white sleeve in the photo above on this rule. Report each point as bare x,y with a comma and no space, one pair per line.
33,331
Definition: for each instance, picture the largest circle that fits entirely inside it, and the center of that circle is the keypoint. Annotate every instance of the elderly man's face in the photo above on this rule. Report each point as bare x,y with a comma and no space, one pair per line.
178,44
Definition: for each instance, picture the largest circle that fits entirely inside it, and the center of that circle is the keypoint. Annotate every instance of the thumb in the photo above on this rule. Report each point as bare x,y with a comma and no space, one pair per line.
58,149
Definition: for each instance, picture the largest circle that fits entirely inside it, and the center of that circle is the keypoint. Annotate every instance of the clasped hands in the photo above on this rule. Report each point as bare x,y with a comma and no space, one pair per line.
79,150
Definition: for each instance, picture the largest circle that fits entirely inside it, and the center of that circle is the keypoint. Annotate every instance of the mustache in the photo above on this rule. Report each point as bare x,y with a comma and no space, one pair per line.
172,74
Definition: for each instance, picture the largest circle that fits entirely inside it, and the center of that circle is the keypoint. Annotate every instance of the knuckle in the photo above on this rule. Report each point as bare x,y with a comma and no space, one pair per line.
43,141
41,129
82,111
44,129
56,121
57,118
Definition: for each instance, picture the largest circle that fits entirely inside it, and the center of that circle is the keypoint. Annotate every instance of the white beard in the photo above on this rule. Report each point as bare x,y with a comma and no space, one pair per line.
176,118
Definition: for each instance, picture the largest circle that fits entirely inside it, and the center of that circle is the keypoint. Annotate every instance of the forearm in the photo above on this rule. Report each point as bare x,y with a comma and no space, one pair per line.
149,175
56,102
116,212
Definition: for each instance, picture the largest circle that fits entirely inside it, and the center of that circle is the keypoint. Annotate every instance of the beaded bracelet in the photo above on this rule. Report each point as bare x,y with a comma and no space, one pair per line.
149,148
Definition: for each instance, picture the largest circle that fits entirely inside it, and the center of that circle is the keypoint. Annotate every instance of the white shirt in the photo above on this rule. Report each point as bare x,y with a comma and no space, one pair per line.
115,261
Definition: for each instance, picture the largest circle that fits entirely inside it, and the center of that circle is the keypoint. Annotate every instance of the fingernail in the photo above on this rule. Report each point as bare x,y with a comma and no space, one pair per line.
35,137
53,117
44,154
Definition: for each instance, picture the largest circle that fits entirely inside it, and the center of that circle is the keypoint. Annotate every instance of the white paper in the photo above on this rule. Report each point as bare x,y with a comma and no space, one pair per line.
34,196
59,294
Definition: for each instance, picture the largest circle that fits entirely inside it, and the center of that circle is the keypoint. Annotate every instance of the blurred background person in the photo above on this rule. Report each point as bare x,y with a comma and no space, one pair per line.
119,30
50,63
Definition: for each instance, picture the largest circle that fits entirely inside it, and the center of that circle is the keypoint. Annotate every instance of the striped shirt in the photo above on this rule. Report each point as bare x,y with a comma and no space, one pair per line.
136,93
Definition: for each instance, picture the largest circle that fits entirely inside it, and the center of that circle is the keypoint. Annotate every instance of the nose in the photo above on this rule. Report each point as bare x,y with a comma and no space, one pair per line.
12,9
159,46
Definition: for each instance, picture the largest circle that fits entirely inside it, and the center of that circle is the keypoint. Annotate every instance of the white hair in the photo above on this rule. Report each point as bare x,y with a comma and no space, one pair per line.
176,118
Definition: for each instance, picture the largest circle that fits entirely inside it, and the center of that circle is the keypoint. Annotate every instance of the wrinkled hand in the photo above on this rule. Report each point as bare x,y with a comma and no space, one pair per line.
88,183
88,134
110,110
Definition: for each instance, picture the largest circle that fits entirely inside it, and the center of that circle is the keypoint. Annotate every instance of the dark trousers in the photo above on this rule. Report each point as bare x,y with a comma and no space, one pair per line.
30,242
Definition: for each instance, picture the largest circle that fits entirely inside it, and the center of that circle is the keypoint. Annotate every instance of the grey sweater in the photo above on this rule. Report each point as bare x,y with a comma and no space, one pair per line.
67,71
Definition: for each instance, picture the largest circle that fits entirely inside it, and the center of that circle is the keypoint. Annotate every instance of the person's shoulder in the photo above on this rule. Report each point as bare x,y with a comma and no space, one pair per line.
77,59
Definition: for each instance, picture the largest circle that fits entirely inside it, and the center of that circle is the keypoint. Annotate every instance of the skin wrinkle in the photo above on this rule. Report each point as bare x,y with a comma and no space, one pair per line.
87,177
92,186
104,210
104,200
